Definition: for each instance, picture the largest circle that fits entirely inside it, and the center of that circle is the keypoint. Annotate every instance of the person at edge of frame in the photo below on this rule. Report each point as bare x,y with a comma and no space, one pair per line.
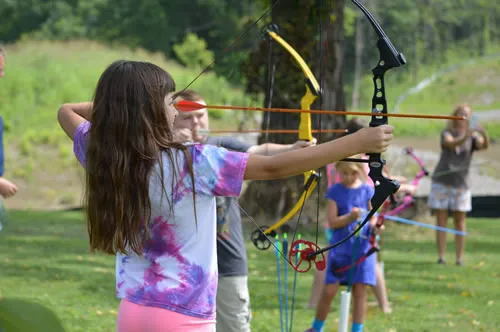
7,188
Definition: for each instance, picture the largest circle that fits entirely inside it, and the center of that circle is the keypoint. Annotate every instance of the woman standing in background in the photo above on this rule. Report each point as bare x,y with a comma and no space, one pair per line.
450,188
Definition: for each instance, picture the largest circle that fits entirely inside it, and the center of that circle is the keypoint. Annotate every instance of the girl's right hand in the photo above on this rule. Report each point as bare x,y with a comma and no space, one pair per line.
355,213
7,188
375,139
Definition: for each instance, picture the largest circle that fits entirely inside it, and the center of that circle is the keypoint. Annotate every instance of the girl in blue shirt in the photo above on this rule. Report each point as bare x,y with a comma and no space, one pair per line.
346,200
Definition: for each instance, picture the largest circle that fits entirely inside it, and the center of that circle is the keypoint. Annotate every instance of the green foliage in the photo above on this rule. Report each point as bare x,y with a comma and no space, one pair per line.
149,24
474,84
350,15
193,52
24,316
423,30
472,81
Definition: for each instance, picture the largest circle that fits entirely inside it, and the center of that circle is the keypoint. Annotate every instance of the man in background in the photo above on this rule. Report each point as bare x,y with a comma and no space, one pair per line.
233,299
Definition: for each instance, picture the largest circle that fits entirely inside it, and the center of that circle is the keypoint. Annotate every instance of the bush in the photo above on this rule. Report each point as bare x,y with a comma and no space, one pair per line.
193,53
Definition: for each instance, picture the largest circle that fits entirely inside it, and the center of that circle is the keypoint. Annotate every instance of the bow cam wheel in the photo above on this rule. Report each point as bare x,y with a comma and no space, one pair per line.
261,240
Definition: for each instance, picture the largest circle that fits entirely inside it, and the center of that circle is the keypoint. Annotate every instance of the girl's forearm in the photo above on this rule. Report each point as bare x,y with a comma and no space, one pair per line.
341,221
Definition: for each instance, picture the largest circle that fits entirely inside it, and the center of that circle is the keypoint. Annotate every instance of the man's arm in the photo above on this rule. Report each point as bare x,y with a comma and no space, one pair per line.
270,149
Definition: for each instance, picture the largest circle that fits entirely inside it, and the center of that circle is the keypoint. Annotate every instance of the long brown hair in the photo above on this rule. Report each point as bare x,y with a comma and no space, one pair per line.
131,130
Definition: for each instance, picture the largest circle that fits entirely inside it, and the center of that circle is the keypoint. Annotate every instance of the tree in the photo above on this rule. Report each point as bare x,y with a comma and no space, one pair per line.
193,53
307,28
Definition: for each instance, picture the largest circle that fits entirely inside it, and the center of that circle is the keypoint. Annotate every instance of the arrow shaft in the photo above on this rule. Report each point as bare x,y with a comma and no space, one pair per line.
416,223
187,107
421,224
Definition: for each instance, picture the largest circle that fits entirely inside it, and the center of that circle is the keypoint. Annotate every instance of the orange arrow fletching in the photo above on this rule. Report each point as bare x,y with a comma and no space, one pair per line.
188,106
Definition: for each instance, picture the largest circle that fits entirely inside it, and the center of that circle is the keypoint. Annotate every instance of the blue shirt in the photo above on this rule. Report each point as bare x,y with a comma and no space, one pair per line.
347,199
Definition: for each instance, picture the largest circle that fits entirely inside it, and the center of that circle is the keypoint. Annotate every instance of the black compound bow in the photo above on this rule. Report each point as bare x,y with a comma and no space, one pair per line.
390,58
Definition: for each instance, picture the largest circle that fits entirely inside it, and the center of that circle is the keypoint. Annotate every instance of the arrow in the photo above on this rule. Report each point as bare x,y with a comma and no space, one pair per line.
421,224
270,131
189,106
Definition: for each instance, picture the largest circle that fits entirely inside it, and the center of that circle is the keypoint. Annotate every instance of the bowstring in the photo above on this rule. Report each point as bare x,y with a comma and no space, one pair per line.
271,75
268,238
271,70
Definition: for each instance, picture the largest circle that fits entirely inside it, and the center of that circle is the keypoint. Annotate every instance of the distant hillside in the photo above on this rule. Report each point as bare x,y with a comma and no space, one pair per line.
474,82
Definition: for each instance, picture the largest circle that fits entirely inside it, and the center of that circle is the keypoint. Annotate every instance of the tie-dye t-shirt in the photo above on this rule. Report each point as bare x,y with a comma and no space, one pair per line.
178,269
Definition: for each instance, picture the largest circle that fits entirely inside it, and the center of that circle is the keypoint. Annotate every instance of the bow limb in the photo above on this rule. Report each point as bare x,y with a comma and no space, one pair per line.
261,242
311,177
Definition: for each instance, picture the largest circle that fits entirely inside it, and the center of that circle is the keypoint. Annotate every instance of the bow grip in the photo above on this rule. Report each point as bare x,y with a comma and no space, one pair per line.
384,187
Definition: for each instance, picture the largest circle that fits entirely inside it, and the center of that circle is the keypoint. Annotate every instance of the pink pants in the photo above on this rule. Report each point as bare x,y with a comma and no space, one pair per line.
138,318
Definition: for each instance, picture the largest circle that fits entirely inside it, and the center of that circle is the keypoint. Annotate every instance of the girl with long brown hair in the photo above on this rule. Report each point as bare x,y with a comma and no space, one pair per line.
151,201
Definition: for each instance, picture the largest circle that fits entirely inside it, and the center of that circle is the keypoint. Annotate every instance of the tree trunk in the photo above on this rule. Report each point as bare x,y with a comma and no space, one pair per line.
359,43
270,200
333,89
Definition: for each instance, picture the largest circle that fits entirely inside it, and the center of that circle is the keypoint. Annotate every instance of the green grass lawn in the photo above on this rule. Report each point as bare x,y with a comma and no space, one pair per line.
44,259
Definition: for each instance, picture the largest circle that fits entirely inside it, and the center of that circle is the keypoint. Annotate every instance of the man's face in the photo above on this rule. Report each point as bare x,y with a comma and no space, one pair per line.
193,121
2,64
